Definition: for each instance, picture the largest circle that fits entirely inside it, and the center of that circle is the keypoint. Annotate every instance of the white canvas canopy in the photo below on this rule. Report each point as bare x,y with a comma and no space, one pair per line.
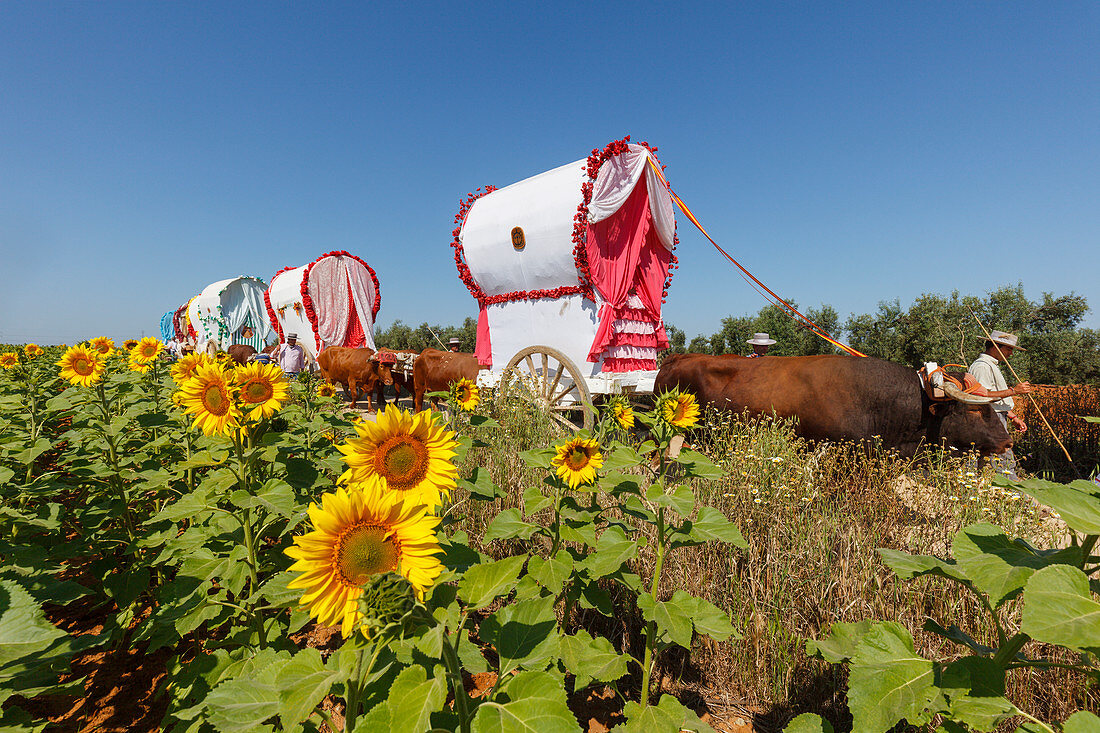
231,312
535,293
331,301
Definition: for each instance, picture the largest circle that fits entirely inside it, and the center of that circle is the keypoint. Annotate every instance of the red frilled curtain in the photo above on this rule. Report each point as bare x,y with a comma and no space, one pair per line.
483,350
355,338
626,257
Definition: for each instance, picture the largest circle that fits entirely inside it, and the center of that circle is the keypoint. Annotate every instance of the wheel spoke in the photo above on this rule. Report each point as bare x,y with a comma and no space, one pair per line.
567,423
545,366
530,366
557,379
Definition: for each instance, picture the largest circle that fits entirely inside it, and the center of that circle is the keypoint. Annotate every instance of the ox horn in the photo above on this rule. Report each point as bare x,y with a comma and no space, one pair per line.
970,399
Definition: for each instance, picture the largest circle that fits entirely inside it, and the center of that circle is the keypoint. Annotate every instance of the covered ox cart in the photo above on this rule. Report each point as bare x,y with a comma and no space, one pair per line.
570,269
231,312
331,301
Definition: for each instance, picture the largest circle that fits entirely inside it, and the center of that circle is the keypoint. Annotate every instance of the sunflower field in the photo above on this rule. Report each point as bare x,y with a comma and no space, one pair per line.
294,567
1066,408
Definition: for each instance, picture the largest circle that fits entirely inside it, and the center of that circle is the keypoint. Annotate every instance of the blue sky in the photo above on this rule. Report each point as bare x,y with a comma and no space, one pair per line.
846,153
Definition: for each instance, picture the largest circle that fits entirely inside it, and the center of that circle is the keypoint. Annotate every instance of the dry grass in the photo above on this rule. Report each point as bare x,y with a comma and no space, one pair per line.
813,518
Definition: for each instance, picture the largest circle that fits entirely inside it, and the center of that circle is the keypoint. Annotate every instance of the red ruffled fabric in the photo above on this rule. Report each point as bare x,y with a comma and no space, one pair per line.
636,339
628,365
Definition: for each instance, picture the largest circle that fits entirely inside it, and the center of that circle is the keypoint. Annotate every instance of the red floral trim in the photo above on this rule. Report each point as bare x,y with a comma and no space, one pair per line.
464,274
627,365
580,235
267,302
307,301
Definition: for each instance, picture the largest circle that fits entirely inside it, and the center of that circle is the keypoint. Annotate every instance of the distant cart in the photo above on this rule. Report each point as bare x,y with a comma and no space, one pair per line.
570,269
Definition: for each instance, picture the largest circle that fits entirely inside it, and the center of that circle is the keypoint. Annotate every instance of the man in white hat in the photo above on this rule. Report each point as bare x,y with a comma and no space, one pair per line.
454,344
760,343
290,356
987,371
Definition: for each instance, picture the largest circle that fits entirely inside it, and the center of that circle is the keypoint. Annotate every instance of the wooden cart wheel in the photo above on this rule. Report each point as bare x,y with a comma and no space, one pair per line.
557,383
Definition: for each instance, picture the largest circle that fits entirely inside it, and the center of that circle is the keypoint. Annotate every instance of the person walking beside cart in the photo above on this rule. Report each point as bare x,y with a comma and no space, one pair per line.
454,344
986,369
290,357
760,343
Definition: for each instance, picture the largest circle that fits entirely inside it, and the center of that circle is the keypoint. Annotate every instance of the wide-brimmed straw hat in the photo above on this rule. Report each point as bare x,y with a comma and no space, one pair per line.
455,342
760,339
292,336
1005,339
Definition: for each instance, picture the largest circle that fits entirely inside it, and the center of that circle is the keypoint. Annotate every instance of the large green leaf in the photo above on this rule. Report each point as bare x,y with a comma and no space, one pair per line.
707,618
303,683
909,566
535,500
24,629
1059,609
809,723
551,573
888,680
1077,502
840,645
480,484
699,465
671,617
680,498
535,704
613,548
413,698
483,583
972,690
711,524
667,716
508,524
241,704
1081,722
998,566
522,633
591,659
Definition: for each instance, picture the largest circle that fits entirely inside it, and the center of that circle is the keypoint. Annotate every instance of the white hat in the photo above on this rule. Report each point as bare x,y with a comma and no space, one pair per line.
292,336
455,340
760,339
1005,339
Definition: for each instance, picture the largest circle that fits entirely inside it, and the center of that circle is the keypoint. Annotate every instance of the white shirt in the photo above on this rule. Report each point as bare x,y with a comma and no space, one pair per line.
986,370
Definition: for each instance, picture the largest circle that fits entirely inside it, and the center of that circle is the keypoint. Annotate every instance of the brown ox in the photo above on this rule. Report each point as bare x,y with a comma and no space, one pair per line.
354,370
240,353
839,398
434,371
392,360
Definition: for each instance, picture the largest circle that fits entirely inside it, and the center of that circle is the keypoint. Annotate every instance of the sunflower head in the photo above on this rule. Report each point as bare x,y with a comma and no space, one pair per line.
621,410
678,409
464,394
147,350
262,389
184,368
103,345
326,390
138,365
33,351
9,360
577,461
411,454
359,533
128,344
81,365
210,395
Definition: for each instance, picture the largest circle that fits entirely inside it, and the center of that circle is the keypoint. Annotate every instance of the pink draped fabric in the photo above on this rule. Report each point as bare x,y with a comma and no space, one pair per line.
626,258
483,350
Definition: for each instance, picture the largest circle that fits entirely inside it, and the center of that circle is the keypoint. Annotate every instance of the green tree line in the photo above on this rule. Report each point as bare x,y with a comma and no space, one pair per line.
934,328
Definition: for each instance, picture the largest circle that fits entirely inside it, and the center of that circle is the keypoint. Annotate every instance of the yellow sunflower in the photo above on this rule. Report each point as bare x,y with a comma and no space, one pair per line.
577,461
33,351
359,532
464,394
138,365
412,454
81,365
147,350
128,344
263,389
678,409
622,412
184,368
9,359
326,390
103,345
209,394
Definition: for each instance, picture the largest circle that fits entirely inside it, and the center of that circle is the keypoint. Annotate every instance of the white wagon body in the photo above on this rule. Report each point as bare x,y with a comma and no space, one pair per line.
231,312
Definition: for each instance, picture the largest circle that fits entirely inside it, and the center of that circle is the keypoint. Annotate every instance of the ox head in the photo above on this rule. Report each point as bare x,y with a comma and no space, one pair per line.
382,365
968,422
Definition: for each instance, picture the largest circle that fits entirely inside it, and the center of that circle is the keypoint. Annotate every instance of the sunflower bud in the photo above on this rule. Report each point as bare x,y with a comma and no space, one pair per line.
387,604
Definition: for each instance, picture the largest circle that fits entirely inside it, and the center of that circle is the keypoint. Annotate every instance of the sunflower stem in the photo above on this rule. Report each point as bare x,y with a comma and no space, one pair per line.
112,455
454,673
651,627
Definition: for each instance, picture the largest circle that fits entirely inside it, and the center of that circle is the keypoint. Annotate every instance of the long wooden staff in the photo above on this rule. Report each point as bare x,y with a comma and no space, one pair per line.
1016,376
